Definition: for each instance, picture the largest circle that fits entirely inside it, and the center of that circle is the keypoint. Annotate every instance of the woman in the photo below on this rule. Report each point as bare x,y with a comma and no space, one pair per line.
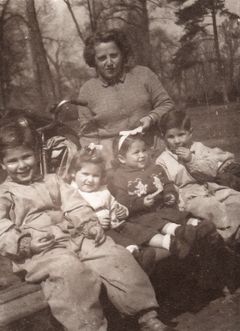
120,97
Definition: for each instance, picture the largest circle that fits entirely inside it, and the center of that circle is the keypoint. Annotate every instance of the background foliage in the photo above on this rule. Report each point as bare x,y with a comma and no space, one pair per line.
42,41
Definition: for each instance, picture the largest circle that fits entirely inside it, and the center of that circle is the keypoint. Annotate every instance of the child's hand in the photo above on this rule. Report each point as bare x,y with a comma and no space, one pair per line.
97,233
38,245
184,154
105,223
121,212
148,201
169,199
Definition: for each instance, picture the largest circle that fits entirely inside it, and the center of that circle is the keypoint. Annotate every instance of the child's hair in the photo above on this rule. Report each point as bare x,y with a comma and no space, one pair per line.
121,145
87,155
175,119
16,134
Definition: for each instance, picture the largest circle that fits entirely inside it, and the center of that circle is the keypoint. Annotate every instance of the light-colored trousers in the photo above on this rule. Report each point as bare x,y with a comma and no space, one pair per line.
222,207
72,282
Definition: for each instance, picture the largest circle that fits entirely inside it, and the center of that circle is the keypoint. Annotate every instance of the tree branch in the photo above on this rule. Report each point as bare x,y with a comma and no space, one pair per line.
74,20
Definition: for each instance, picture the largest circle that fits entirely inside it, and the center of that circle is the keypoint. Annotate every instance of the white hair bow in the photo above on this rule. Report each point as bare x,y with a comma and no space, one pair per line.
125,134
93,147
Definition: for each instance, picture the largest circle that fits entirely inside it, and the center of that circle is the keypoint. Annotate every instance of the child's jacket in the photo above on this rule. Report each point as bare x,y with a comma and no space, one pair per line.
45,206
206,161
190,176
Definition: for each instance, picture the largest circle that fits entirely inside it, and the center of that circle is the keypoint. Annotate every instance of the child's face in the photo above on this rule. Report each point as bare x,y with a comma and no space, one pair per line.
20,164
136,156
175,138
89,177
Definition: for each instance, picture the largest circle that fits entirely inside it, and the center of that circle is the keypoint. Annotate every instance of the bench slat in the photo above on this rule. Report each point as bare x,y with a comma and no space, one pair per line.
16,291
22,306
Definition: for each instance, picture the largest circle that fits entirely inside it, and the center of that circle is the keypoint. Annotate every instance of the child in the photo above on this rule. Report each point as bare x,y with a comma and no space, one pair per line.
88,173
150,197
191,165
50,231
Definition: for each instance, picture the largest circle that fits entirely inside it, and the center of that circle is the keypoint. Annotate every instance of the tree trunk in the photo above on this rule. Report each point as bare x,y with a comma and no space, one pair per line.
3,65
218,56
132,17
42,73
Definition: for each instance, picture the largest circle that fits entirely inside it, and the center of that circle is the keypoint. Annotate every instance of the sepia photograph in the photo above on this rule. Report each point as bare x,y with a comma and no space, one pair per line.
119,165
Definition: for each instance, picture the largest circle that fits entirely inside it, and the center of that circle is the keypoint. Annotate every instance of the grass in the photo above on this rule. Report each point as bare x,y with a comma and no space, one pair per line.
217,126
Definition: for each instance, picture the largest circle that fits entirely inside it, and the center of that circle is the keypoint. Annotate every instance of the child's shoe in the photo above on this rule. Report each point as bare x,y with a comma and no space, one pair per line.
146,258
179,247
205,228
186,233
231,262
150,322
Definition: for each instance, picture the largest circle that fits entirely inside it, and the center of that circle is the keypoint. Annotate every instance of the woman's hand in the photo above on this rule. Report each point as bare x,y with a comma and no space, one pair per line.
184,154
146,122
97,233
40,244
148,201
121,212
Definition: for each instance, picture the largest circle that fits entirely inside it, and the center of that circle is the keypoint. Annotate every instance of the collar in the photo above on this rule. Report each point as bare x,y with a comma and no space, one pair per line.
172,154
130,169
120,79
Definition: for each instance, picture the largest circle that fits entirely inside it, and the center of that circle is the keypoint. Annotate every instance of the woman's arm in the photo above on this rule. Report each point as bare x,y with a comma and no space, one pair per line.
85,114
161,102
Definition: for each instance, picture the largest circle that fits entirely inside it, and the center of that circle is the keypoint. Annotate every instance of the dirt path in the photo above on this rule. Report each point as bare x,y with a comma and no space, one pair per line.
222,314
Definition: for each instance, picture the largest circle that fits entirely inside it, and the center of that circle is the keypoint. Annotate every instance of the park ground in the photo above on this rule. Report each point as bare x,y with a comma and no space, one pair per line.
190,308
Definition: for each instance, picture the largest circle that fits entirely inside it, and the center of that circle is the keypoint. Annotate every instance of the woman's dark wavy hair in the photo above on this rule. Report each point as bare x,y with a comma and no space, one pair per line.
114,35
16,134
86,155
175,119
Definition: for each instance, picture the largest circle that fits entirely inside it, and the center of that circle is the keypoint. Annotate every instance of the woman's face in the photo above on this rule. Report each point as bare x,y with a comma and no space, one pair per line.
108,60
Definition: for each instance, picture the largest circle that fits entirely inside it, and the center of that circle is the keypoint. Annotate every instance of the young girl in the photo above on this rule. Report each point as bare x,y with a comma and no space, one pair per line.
88,177
51,232
151,198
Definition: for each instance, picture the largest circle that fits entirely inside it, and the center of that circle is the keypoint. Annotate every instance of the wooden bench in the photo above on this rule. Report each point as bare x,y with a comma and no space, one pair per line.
17,298
19,301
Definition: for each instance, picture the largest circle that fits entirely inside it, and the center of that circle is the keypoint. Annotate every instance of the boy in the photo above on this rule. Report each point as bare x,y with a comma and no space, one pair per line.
191,165
48,230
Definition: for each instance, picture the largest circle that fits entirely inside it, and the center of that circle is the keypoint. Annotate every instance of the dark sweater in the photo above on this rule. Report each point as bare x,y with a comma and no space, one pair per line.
131,186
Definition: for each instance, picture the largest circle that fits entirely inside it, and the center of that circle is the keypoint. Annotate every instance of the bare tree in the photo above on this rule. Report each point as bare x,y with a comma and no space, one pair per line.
69,6
230,35
42,73
3,66
129,15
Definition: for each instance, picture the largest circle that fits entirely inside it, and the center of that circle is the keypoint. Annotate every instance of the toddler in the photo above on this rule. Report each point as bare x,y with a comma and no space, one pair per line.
88,174
151,198
48,230
192,166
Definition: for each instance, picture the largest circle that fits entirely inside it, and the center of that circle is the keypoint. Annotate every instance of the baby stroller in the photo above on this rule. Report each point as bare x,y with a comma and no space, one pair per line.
58,142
